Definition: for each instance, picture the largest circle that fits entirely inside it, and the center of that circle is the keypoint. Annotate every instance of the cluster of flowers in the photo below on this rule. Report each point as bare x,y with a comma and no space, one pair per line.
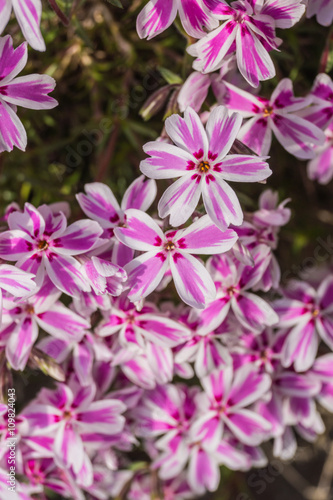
74,298
115,355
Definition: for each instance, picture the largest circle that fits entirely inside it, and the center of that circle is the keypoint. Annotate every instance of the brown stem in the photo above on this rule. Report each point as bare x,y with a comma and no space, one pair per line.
63,18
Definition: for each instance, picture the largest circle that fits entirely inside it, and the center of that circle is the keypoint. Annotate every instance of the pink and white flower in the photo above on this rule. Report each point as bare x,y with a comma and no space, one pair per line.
233,281
322,9
69,414
278,115
100,204
200,158
40,242
320,168
28,14
308,315
29,91
23,318
173,250
243,30
225,404
158,15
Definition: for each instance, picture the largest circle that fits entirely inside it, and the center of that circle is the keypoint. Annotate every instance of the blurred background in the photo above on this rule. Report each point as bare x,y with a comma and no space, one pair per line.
105,74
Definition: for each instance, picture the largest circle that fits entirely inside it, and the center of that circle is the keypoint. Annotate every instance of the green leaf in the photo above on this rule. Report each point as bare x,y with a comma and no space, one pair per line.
169,76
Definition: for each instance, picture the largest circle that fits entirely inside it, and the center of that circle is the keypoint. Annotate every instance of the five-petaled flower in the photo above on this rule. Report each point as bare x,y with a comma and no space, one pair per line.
172,250
200,160
29,91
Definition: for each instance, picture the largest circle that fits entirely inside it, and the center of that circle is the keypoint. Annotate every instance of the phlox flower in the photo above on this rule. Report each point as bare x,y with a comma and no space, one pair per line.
308,315
29,91
200,158
233,281
100,204
225,403
28,14
250,34
172,250
278,115
158,15
134,326
15,281
68,414
320,168
321,111
23,318
40,242
322,9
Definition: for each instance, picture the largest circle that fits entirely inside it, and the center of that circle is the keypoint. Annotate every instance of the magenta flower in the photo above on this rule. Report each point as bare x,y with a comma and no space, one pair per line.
172,250
100,204
321,111
28,14
233,281
158,15
308,313
15,281
320,168
135,326
42,243
200,160
225,402
28,91
322,9
248,33
279,115
68,414
23,318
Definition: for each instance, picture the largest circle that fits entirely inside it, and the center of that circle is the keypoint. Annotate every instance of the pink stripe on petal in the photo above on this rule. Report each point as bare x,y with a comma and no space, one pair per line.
145,274
63,323
140,194
141,232
12,61
155,17
257,135
296,135
204,237
5,12
21,342
65,273
222,131
180,199
194,16
221,202
253,312
242,101
192,281
30,92
249,427
28,14
167,161
243,168
188,133
12,132
213,48
203,472
99,204
253,60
